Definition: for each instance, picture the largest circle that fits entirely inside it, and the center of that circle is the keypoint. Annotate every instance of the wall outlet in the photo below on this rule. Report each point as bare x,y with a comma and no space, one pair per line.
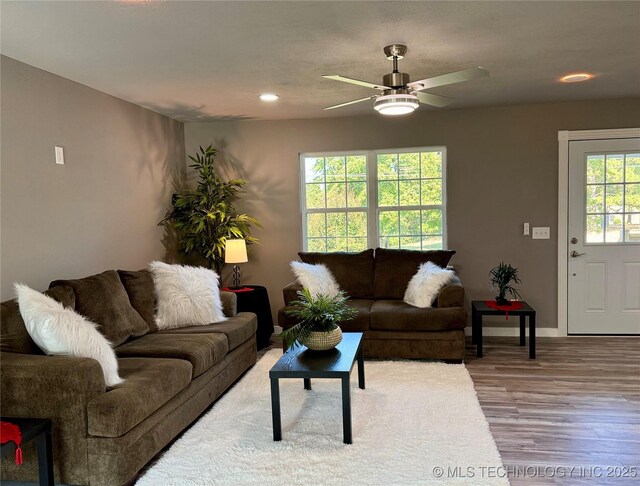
541,233
59,155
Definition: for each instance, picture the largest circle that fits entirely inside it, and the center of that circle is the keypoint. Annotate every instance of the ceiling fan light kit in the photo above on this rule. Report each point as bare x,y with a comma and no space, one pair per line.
396,104
399,95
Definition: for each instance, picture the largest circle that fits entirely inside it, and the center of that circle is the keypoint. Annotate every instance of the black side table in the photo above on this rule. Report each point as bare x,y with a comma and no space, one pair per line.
40,430
479,308
254,298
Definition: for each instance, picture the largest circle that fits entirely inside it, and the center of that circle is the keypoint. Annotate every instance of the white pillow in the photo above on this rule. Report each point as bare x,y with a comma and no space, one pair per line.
317,278
60,331
186,296
424,286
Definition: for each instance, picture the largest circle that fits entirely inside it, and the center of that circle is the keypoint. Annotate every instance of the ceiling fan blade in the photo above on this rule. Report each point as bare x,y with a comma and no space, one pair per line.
337,77
451,78
350,102
433,99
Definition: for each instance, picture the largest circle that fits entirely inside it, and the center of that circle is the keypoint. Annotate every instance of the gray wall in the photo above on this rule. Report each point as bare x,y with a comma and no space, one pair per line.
502,171
99,210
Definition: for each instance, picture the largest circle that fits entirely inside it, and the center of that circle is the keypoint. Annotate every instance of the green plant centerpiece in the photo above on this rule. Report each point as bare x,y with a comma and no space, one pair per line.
318,318
205,218
501,276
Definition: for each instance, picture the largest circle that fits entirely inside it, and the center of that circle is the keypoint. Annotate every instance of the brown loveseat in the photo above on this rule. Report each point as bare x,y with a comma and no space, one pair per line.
376,287
105,436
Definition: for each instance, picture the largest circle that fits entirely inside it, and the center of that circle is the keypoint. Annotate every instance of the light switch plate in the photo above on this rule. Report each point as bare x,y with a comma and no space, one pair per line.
525,231
541,233
59,155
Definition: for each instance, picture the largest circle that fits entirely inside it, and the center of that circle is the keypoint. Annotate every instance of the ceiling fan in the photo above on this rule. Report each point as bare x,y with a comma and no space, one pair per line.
399,94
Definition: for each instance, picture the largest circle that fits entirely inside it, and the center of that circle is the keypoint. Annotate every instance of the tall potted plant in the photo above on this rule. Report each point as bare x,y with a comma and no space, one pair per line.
318,319
205,217
501,277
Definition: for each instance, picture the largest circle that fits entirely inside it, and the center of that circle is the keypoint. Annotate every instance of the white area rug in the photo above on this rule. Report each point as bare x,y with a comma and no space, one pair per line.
412,417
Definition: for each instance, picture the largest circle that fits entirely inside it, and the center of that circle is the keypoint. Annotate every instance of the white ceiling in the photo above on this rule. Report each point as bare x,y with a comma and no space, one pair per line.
210,60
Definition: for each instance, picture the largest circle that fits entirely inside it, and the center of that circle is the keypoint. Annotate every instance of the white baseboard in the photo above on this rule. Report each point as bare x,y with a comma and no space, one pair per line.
513,331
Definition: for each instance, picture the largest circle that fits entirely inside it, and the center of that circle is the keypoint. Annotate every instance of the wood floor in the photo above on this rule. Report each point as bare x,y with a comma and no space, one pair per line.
577,404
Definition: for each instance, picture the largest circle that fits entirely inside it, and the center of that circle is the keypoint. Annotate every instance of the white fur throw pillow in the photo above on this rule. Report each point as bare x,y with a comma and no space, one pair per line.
425,285
186,296
317,278
60,331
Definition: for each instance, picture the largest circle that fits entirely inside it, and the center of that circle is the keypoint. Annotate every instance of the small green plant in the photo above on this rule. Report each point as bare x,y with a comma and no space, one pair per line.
501,277
205,217
316,314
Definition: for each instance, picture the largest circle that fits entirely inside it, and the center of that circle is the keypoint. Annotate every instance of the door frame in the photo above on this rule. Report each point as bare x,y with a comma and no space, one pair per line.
564,137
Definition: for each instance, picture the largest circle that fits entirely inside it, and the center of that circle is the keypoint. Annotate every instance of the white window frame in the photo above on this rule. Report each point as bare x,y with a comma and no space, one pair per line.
372,209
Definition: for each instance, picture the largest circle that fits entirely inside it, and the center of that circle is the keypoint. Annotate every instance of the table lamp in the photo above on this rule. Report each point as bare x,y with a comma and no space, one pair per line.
236,252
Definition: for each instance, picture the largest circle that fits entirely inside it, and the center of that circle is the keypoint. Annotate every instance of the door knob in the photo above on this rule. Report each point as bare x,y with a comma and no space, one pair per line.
575,254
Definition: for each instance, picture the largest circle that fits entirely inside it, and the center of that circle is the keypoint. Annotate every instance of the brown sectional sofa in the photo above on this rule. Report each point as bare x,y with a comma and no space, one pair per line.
105,436
376,284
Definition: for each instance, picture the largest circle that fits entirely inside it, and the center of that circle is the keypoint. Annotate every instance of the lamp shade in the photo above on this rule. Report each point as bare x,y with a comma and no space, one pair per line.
235,251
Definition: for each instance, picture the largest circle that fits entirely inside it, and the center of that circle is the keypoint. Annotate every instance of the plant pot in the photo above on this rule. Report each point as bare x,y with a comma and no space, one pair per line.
502,300
322,341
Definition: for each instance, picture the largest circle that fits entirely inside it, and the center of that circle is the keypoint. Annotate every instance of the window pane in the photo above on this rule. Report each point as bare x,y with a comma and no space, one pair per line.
432,222
614,198
315,196
316,244
595,169
357,244
387,193
410,166
336,244
432,191
632,168
314,169
336,224
595,199
613,233
387,166
336,195
357,194
357,224
632,228
316,225
595,229
356,168
614,168
432,243
388,223
431,164
409,223
389,242
632,198
410,242
335,169
409,193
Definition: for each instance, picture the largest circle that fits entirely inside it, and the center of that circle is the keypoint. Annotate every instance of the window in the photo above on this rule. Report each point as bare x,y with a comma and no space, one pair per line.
612,198
389,198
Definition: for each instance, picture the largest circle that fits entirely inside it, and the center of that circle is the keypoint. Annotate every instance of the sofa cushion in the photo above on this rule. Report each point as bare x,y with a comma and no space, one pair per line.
237,329
397,315
353,271
14,337
139,287
394,269
103,299
149,384
201,350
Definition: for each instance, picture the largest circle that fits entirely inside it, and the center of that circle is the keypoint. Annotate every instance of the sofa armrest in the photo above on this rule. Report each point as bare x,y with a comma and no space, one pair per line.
58,388
290,292
229,303
451,295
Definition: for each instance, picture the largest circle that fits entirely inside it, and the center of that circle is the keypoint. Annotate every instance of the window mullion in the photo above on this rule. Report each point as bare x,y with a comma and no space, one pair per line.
372,200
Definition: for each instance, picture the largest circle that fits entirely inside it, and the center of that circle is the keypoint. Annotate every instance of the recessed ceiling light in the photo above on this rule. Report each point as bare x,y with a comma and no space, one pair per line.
576,77
269,97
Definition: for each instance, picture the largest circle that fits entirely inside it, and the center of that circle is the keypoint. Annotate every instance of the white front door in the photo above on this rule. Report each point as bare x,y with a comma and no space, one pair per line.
604,237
